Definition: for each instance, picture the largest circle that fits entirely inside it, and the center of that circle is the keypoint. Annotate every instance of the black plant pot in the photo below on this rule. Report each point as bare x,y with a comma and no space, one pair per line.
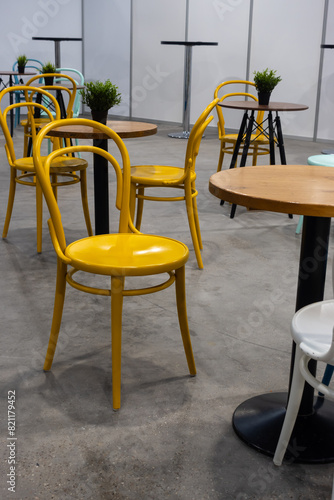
20,69
48,80
100,116
264,98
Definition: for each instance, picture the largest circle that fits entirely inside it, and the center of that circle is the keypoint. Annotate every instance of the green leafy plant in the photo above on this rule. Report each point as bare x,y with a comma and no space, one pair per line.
100,96
266,81
49,68
22,61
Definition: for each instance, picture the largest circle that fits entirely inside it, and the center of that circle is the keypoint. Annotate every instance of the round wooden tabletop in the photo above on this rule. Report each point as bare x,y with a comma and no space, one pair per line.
12,73
291,189
255,106
125,129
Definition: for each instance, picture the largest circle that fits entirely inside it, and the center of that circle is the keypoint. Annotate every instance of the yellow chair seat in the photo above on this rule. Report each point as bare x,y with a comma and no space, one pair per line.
38,121
155,175
260,139
62,164
127,254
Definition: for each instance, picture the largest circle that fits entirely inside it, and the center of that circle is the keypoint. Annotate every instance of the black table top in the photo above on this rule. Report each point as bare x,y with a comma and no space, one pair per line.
188,43
55,38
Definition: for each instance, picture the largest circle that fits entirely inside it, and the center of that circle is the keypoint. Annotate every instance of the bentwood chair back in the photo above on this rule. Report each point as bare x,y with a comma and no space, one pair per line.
121,256
79,79
32,64
259,143
65,92
312,330
65,170
154,176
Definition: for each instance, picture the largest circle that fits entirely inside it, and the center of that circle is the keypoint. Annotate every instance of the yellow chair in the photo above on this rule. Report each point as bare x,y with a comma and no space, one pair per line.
64,169
153,176
259,143
66,87
122,255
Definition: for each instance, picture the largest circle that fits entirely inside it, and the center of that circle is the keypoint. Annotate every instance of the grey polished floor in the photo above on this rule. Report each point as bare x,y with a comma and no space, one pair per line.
172,438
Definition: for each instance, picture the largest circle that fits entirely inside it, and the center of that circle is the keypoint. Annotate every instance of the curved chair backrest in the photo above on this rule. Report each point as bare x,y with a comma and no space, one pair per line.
221,120
71,89
196,134
80,80
31,106
122,174
31,64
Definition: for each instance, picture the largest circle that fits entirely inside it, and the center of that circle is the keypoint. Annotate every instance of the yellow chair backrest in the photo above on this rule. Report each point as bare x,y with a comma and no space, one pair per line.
122,174
71,92
221,120
30,105
195,136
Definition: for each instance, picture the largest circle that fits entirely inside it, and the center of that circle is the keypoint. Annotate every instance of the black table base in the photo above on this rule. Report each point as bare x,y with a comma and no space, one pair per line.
101,189
258,422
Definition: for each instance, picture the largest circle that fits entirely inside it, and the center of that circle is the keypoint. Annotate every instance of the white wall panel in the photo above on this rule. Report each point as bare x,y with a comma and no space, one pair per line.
107,46
22,20
287,37
157,82
225,22
326,111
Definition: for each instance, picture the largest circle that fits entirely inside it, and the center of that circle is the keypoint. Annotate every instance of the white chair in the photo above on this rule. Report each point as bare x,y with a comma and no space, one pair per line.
321,161
312,330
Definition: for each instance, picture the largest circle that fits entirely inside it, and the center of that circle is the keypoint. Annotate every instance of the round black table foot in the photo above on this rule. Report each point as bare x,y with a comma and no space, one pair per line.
258,422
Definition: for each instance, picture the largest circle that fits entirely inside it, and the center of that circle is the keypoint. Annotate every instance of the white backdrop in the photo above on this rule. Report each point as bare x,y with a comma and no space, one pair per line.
21,20
286,36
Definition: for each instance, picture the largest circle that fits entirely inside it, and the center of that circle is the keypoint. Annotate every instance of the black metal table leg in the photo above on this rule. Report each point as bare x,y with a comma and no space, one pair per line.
11,111
237,146
280,139
101,189
258,421
244,151
271,138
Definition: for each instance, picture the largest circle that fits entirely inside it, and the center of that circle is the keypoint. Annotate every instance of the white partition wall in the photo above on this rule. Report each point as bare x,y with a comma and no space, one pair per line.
22,20
122,41
291,45
216,21
325,125
157,78
106,28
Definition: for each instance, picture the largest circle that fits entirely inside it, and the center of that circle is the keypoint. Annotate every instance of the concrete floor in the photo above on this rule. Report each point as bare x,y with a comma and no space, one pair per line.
172,438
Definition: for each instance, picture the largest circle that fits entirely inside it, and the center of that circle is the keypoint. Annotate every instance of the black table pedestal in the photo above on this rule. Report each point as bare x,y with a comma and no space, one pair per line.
101,189
258,421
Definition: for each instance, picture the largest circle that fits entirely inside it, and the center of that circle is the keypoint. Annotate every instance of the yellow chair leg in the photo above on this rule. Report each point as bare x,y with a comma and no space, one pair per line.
255,154
117,285
140,206
221,157
133,191
180,289
39,215
57,313
84,199
11,196
192,225
198,229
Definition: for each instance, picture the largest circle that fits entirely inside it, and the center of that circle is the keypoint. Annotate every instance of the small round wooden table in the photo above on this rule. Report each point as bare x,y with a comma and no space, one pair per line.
10,84
269,127
305,190
126,130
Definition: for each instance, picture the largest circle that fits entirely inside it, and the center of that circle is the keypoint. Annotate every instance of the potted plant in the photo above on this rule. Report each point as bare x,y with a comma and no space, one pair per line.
48,68
265,81
21,63
100,97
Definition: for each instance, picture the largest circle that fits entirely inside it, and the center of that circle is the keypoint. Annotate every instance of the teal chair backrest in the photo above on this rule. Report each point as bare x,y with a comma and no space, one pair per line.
80,80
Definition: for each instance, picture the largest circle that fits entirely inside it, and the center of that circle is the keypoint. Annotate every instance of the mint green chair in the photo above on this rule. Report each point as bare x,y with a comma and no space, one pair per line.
321,161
